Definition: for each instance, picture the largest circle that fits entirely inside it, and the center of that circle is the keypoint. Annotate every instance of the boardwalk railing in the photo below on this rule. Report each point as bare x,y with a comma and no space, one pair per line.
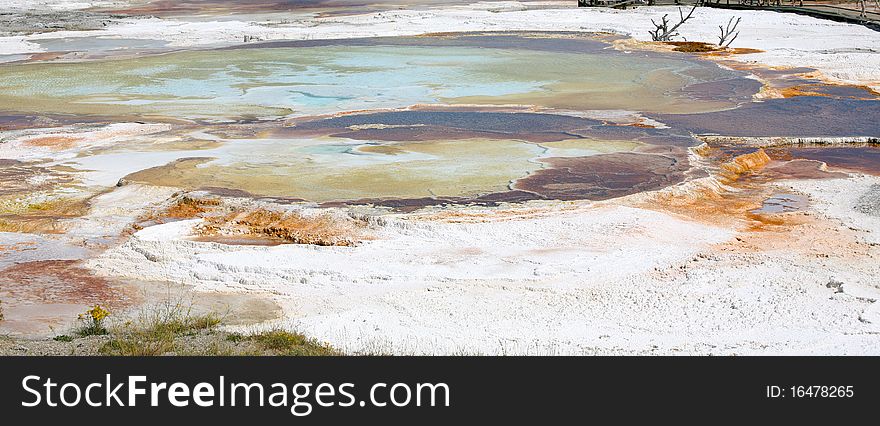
865,12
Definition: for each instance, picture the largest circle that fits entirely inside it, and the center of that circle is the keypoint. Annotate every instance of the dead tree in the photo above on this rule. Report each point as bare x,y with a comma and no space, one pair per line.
662,31
728,34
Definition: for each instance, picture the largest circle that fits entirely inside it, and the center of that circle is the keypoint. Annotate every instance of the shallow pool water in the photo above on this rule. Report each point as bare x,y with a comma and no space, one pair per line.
356,75
432,153
410,121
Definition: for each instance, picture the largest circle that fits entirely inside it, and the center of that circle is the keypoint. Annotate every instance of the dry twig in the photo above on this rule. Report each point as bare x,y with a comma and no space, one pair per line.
662,31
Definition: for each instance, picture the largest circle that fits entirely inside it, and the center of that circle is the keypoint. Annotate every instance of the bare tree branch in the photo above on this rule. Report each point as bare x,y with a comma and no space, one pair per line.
728,34
662,31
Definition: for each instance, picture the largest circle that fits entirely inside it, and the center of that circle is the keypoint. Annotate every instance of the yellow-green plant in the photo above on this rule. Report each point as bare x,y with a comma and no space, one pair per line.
92,322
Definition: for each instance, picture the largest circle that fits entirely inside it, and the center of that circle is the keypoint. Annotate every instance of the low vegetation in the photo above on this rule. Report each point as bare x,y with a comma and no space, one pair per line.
280,342
156,331
91,323
174,329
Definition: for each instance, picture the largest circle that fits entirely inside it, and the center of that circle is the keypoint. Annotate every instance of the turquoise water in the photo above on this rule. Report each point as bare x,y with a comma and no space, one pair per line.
296,81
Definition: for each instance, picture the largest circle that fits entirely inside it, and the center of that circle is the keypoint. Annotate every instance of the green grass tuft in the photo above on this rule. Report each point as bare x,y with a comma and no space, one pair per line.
155,331
287,343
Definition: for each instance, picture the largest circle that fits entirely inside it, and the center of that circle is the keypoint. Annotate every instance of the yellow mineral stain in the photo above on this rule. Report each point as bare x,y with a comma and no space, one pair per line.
466,167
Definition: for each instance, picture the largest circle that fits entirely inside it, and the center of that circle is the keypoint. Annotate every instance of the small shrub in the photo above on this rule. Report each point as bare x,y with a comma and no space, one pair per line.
63,338
1,310
234,337
155,331
137,342
92,322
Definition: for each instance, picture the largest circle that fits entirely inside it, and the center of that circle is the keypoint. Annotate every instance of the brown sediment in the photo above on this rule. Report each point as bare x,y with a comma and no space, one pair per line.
702,48
829,90
183,207
800,233
801,90
45,56
53,142
603,176
693,46
643,125
188,208
761,222
707,204
742,164
29,225
291,227
57,282
703,150
45,297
